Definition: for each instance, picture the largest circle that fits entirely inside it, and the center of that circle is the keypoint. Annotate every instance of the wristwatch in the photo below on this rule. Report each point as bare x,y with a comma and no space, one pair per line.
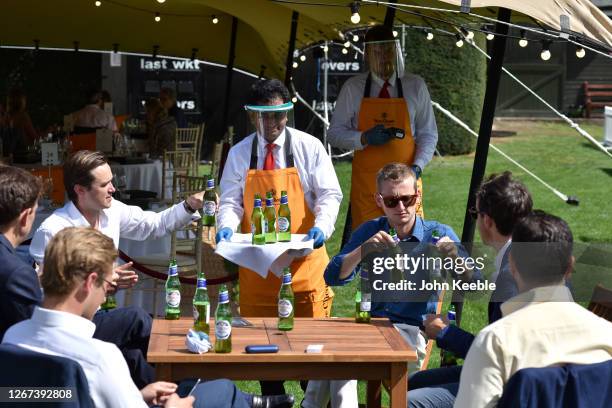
188,207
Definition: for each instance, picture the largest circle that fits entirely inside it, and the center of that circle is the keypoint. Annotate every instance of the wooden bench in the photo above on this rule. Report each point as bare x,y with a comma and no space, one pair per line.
596,96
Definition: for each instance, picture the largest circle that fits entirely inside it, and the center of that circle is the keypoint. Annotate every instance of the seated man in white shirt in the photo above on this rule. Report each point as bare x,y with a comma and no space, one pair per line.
88,183
542,326
93,115
78,272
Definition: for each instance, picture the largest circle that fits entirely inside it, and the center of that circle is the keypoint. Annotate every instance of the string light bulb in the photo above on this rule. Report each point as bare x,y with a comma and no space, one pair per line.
355,38
302,57
430,36
161,1
580,52
295,64
157,17
355,17
347,44
294,99
459,42
545,54
325,48
215,19
490,36
98,3
523,41
395,33
470,35
344,51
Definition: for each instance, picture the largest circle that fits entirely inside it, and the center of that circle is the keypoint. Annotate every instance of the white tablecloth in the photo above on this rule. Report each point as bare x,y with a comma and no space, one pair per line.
145,176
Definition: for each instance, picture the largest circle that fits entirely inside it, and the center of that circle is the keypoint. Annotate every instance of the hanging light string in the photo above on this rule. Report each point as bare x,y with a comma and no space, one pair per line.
570,122
540,31
212,17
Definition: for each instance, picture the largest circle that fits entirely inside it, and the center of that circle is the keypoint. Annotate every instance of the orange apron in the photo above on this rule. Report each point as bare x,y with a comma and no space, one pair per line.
389,112
259,296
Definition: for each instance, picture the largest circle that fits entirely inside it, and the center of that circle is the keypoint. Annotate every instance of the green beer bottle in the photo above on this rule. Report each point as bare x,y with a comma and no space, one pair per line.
285,302
109,302
257,223
270,219
173,292
284,219
448,357
435,267
223,323
201,307
396,274
210,204
363,301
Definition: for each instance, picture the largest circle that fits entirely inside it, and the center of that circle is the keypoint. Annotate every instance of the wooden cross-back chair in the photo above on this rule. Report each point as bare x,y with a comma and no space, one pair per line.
190,139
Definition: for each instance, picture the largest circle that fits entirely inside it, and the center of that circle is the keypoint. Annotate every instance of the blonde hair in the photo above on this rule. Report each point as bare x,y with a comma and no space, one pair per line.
73,254
396,173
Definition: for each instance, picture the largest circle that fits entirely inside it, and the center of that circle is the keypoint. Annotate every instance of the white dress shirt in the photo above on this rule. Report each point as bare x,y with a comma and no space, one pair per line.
317,175
71,336
118,221
540,328
94,117
343,132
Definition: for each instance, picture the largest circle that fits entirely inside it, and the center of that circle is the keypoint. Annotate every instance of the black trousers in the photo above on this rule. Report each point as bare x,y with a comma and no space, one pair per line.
129,328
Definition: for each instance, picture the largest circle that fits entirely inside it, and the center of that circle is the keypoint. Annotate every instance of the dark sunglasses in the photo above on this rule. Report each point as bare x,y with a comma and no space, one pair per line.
392,202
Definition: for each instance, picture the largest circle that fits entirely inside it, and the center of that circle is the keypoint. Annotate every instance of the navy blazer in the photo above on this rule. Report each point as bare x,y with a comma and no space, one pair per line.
19,287
572,385
459,341
32,369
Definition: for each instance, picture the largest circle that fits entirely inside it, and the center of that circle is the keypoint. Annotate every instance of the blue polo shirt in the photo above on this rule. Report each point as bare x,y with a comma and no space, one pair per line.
398,312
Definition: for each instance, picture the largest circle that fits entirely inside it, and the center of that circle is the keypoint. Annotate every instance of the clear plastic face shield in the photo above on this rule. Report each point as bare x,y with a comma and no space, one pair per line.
269,121
385,58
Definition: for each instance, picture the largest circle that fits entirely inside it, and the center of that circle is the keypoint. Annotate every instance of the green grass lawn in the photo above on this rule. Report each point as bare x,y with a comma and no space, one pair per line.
552,150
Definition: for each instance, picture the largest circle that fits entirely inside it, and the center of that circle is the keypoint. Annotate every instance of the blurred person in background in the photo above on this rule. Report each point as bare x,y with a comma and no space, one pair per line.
161,128
93,116
18,131
167,96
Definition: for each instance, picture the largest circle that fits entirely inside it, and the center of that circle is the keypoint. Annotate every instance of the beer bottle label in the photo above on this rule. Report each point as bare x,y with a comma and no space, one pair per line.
284,308
173,298
223,329
265,227
210,207
196,312
366,302
283,224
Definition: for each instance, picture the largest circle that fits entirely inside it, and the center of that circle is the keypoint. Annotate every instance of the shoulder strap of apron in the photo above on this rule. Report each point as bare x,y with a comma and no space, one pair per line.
368,87
288,152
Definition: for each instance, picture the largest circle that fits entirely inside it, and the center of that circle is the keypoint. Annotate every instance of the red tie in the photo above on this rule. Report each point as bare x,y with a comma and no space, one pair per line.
384,92
269,161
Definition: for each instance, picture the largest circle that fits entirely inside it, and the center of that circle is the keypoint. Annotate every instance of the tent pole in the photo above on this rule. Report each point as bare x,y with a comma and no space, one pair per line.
390,15
486,120
230,71
291,48
484,137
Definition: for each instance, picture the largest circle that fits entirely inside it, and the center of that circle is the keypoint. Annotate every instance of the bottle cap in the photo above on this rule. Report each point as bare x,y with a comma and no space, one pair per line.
210,183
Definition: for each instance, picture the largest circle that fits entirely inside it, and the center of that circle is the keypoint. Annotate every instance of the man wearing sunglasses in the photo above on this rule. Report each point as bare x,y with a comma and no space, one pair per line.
397,196
385,116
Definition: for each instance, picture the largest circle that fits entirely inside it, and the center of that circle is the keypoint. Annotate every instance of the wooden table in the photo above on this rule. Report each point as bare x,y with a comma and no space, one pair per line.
371,352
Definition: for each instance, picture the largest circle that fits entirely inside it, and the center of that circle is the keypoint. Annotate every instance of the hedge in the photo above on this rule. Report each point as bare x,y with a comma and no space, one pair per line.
456,78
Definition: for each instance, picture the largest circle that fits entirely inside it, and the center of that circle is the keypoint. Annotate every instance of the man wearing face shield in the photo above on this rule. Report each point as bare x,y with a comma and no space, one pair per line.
276,158
385,116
